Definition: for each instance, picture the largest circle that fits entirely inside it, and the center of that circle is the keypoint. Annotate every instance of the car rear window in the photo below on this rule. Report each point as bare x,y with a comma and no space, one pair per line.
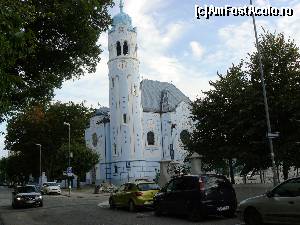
147,186
52,184
215,181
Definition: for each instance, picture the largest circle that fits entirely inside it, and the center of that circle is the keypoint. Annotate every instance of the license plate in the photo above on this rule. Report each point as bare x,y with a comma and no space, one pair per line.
30,201
148,202
223,208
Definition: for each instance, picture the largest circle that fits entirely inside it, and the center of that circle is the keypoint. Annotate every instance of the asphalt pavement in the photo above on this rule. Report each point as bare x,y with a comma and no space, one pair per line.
86,208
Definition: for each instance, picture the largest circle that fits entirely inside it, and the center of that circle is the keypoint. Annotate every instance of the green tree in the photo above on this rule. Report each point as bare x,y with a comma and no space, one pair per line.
44,43
45,125
83,159
230,119
281,65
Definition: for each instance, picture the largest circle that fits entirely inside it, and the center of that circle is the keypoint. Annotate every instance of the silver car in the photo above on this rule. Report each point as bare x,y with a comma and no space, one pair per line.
278,206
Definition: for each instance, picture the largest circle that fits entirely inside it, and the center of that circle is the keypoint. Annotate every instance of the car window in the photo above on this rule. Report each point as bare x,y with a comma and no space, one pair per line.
288,189
175,185
122,187
190,183
215,181
26,189
130,187
52,184
147,186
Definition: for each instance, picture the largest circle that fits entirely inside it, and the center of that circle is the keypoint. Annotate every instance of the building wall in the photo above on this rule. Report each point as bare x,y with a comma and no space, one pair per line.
97,138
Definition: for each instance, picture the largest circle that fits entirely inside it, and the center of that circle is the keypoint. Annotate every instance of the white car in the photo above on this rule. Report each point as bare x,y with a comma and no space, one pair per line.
51,188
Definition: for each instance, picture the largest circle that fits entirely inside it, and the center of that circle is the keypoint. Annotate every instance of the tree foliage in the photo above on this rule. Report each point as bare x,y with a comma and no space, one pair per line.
230,118
44,43
45,125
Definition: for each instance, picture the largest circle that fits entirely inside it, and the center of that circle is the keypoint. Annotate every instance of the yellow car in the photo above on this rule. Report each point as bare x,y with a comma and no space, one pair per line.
134,195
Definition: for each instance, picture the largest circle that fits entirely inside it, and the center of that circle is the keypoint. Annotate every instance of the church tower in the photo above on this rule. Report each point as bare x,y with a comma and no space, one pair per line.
124,94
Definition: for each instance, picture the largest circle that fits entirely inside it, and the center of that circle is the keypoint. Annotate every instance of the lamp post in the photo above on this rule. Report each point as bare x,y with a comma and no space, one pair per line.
69,161
40,147
275,180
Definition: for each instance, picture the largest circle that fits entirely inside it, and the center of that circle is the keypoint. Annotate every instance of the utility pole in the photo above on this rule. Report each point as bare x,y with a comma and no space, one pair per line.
275,180
69,159
40,147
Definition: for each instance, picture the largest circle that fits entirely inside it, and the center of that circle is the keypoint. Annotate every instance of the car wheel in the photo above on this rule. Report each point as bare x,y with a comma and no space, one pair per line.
194,215
111,203
158,210
229,214
41,204
131,206
252,217
13,205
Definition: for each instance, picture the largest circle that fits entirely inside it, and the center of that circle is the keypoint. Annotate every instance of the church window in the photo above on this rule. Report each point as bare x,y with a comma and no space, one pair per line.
113,82
150,138
124,118
116,169
118,48
125,48
171,152
95,139
115,148
184,136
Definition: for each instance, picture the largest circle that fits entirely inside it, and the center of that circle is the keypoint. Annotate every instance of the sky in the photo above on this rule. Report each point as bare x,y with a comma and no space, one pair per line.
176,47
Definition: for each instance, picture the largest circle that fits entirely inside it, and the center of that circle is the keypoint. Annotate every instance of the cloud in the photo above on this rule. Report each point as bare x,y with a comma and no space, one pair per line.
197,49
262,3
238,39
290,26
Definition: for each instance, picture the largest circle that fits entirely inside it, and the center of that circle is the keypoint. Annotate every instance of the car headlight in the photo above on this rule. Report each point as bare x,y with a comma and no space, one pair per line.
18,198
38,197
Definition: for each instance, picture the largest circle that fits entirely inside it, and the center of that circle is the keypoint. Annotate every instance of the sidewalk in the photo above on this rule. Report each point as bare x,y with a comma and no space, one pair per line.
84,192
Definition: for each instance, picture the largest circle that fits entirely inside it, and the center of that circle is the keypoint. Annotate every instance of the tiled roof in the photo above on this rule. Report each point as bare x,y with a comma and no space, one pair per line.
153,92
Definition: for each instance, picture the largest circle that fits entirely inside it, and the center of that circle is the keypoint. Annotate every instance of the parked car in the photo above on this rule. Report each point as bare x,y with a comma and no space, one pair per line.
134,195
197,196
51,188
280,205
26,196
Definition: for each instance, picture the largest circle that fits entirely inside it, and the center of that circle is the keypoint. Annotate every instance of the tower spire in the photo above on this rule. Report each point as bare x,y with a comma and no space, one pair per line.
121,5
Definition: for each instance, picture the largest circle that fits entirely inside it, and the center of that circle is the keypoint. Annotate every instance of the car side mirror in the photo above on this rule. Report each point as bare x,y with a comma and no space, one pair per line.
269,194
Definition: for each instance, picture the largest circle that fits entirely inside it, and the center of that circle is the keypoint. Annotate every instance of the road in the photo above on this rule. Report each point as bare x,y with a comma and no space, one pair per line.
86,209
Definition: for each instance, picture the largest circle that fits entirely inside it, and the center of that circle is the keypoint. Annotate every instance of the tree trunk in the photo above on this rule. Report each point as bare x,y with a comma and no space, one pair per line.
78,182
285,170
231,171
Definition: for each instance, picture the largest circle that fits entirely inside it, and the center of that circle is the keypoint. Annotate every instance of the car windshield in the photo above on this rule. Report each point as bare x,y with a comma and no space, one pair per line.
26,189
147,186
52,184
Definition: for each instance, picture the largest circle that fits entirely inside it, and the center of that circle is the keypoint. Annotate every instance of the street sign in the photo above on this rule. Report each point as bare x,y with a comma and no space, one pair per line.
273,135
69,171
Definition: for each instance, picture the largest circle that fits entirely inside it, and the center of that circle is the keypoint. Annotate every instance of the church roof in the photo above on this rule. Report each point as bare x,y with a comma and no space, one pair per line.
160,96
122,18
102,111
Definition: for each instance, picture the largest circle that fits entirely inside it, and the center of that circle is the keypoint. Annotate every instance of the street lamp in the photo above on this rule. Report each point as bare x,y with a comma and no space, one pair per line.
275,180
40,146
69,161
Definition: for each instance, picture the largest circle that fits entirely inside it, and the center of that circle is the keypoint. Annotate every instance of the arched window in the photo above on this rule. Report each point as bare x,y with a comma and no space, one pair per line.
125,48
150,138
115,148
113,82
94,139
124,118
118,48
184,136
